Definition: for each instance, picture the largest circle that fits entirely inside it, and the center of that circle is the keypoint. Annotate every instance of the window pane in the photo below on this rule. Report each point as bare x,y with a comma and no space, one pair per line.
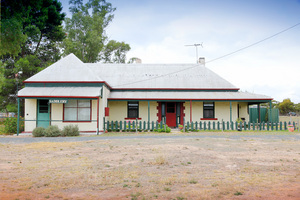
133,109
84,103
208,114
43,106
208,104
77,110
71,114
170,107
84,114
71,103
133,103
132,113
208,110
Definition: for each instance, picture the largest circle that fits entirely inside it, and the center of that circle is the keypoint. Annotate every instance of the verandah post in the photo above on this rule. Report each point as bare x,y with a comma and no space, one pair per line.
104,124
18,120
148,111
230,112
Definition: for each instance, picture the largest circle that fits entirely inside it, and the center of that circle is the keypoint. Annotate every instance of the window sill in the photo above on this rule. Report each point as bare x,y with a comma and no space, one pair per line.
208,118
132,118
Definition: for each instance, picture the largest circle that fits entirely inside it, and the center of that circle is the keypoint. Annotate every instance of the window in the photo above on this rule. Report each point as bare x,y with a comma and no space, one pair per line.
43,106
170,107
208,110
77,110
133,109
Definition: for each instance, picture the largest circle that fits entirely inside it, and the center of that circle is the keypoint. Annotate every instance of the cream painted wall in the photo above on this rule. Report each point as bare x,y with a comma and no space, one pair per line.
118,110
30,114
143,110
197,110
186,111
244,111
222,111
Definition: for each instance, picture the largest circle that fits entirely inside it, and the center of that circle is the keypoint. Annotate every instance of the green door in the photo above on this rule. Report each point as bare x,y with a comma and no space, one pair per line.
43,113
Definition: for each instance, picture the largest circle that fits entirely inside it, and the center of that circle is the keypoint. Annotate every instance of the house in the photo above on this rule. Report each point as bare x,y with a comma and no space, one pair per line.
72,92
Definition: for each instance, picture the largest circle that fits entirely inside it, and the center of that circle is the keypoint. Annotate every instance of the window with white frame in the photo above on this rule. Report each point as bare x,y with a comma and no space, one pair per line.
77,110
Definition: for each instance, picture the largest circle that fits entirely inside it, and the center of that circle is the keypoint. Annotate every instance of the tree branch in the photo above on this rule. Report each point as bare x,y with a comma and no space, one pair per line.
38,45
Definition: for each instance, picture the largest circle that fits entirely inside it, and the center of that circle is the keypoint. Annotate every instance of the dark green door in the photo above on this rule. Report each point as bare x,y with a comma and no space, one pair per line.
43,113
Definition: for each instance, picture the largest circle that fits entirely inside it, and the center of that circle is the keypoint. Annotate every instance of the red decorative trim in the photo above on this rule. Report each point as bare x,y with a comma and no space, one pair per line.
68,82
132,118
77,121
208,118
212,89
182,114
71,97
159,111
90,131
64,82
79,131
161,99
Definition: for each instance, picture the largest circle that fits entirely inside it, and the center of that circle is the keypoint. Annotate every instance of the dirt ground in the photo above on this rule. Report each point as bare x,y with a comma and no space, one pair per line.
152,168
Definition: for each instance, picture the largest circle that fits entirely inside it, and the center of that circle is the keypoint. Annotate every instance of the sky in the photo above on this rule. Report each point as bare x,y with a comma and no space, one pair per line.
159,30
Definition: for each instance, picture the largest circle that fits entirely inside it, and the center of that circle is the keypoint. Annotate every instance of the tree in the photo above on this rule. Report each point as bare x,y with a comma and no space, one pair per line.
115,52
30,31
297,108
286,106
86,36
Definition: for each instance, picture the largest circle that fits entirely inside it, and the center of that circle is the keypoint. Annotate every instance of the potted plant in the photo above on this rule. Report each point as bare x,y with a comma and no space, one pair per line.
180,126
291,128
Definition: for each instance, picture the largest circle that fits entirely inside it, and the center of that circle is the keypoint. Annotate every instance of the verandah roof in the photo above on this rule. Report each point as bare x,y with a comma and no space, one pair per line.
60,92
181,95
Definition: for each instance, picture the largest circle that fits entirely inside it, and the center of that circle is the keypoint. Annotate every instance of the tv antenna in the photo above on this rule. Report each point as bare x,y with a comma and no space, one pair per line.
195,45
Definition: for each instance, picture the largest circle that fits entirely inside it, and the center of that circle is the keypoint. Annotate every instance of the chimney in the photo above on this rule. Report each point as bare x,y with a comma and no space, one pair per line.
202,61
138,61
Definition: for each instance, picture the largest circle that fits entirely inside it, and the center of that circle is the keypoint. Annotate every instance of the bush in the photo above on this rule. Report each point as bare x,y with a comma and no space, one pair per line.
39,132
52,131
166,129
70,130
10,124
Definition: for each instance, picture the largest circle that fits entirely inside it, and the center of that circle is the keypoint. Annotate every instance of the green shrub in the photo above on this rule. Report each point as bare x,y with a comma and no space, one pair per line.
70,130
10,124
39,132
52,131
163,129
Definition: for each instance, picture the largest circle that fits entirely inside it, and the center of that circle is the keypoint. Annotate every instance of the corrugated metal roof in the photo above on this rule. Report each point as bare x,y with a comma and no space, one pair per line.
173,76
135,76
166,76
181,95
83,92
67,69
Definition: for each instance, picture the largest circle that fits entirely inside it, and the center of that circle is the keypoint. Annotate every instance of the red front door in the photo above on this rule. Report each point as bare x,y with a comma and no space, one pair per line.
171,114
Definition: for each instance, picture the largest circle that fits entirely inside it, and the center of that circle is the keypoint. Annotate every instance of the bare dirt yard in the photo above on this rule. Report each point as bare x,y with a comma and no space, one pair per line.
152,168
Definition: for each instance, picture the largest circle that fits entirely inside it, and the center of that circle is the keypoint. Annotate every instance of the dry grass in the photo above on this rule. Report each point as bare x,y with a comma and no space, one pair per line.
170,168
295,119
